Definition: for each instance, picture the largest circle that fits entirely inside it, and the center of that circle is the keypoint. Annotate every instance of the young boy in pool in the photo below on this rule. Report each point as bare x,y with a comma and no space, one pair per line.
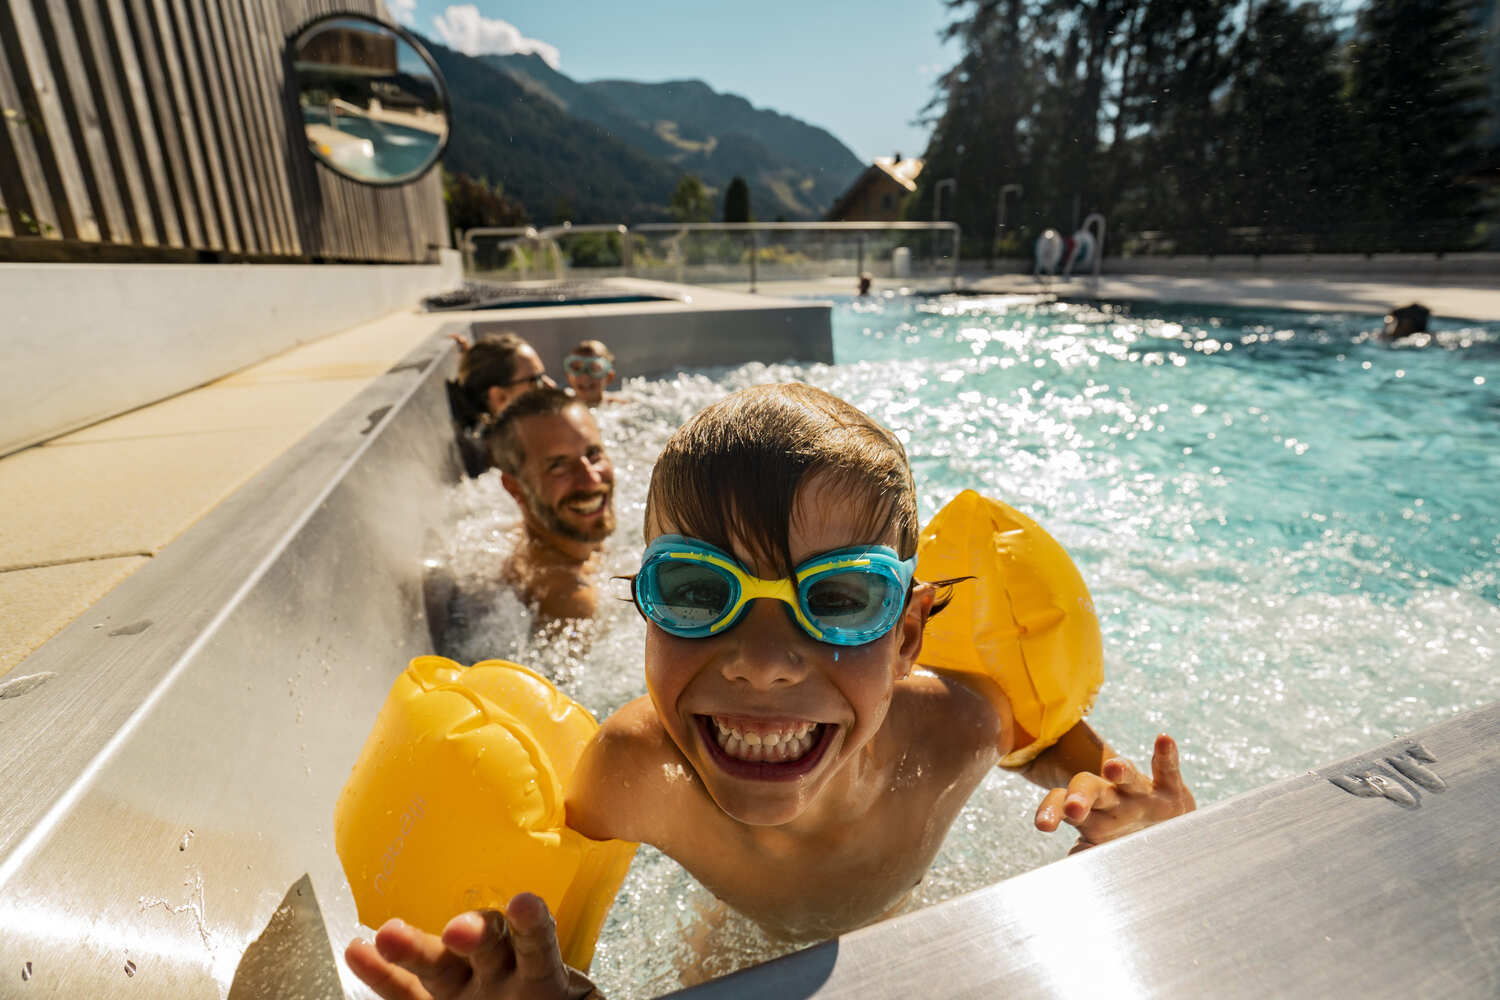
789,754
590,368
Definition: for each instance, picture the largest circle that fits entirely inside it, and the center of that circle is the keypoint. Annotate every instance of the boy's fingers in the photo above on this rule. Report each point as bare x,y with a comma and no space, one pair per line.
1164,764
1087,792
1125,777
534,936
390,982
1049,813
424,955
484,938
1167,771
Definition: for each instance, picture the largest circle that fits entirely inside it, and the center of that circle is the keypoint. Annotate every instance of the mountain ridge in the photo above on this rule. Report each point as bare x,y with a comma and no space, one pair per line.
794,169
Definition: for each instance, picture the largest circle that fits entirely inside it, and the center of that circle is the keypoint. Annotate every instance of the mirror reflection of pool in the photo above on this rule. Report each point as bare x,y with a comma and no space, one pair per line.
1287,526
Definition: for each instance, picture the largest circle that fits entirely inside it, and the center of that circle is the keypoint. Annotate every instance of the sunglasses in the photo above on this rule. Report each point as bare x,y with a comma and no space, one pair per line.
538,381
587,364
846,597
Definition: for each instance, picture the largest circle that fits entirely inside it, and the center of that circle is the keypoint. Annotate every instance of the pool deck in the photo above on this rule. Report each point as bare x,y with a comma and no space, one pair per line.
86,510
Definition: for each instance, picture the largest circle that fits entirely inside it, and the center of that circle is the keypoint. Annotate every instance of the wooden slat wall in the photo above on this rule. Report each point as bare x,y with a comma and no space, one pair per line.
167,124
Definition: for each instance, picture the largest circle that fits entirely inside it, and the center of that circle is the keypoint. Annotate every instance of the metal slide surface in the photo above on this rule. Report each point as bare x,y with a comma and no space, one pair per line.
1378,877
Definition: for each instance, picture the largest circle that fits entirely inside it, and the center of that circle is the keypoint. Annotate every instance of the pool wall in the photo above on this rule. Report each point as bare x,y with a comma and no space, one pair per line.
711,327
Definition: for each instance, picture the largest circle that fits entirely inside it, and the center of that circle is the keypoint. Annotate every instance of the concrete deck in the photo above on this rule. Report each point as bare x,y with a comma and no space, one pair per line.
85,510
1474,298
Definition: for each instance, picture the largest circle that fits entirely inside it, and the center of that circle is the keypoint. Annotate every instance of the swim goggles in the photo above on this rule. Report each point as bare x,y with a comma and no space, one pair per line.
847,597
587,364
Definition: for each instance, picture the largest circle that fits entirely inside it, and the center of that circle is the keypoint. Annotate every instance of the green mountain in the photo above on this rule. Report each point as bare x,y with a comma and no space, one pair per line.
794,169
559,166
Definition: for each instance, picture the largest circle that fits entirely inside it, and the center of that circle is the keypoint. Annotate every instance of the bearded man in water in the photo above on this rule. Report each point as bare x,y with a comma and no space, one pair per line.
552,461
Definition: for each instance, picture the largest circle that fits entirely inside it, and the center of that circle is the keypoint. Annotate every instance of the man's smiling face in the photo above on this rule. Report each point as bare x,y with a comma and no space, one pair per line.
566,478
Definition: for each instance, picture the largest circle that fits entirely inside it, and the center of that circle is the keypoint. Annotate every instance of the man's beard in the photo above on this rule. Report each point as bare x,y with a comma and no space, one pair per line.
552,518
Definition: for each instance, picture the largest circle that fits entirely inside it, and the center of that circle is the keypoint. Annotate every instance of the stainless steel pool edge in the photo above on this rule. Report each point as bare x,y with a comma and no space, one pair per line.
118,652
171,770
1375,877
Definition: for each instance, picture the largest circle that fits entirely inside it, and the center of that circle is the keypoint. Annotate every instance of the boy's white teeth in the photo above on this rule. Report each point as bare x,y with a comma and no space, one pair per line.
775,746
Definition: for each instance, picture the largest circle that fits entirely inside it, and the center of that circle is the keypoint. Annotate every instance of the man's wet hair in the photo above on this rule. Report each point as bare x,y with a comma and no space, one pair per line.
732,472
489,362
503,438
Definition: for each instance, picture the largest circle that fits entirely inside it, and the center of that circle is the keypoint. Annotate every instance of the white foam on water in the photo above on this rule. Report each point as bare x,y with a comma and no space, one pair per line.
1292,547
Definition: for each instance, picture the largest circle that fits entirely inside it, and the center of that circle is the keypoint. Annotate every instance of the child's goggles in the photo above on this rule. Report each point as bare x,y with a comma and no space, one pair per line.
847,597
587,364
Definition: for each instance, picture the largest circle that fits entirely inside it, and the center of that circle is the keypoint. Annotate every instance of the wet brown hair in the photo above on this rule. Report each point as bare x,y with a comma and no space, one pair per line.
733,472
502,439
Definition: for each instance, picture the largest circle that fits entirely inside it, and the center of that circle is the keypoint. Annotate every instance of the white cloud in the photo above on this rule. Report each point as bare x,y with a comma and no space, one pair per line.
462,27
404,11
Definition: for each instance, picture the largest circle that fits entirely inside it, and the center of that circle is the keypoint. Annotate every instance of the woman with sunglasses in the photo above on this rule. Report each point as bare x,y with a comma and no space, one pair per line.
789,754
493,372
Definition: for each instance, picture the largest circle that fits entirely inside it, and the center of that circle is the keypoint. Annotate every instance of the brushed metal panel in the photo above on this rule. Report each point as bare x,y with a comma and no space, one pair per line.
1299,889
171,783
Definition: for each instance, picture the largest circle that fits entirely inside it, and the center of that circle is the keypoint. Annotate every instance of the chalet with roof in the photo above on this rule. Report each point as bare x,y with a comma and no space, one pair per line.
880,193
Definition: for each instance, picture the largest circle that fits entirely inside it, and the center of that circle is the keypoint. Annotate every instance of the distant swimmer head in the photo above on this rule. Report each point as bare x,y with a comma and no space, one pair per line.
1406,321
590,367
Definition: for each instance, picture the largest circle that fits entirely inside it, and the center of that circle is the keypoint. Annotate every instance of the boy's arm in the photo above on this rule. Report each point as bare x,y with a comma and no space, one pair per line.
1079,749
1102,794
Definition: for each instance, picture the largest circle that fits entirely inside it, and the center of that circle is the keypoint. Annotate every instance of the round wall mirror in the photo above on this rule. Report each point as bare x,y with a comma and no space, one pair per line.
373,104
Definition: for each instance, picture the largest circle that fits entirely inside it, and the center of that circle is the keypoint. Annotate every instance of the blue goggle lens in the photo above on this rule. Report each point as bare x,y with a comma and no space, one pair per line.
688,595
581,364
681,590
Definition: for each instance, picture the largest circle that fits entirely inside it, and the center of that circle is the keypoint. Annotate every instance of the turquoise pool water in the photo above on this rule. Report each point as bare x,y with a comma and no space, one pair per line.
1288,528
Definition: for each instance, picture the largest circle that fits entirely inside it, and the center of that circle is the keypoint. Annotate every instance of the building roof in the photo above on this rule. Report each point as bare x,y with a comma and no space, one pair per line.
904,172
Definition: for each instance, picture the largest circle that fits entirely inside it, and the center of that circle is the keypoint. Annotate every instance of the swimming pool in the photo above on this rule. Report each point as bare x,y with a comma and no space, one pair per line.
1287,527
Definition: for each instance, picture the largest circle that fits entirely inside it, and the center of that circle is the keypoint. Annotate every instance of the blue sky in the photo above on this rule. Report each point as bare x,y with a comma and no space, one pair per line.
861,70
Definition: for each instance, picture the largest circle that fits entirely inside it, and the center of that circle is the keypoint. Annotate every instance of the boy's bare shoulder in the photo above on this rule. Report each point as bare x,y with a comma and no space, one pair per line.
618,786
953,710
633,729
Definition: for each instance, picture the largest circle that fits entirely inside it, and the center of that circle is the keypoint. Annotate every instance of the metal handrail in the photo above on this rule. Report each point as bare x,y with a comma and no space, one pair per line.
568,229
466,239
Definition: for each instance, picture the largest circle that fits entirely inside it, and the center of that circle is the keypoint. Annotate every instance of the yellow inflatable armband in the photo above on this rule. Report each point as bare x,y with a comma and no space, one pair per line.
456,803
1027,622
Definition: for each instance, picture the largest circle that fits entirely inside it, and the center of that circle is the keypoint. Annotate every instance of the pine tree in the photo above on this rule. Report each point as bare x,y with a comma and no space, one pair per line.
690,201
1417,89
1291,164
737,201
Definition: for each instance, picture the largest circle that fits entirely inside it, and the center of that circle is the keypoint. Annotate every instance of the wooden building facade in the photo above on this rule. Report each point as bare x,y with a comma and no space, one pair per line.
164,130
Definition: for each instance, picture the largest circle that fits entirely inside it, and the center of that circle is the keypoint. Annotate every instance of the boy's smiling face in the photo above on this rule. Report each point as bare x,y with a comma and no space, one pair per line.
768,716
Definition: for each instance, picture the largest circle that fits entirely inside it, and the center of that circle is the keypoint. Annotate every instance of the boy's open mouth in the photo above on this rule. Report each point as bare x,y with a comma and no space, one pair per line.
763,749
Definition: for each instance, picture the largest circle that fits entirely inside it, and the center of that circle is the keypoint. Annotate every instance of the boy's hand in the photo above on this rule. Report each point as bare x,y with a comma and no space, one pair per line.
1122,800
485,955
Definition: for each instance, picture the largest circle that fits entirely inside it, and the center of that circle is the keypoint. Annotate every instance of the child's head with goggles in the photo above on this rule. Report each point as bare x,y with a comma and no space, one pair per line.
590,359
731,479
589,367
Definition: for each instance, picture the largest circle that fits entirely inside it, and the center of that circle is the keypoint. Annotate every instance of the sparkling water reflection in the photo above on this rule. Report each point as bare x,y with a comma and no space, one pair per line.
1288,527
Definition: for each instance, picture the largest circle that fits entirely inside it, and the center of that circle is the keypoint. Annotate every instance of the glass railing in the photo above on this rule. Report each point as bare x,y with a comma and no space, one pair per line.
744,253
